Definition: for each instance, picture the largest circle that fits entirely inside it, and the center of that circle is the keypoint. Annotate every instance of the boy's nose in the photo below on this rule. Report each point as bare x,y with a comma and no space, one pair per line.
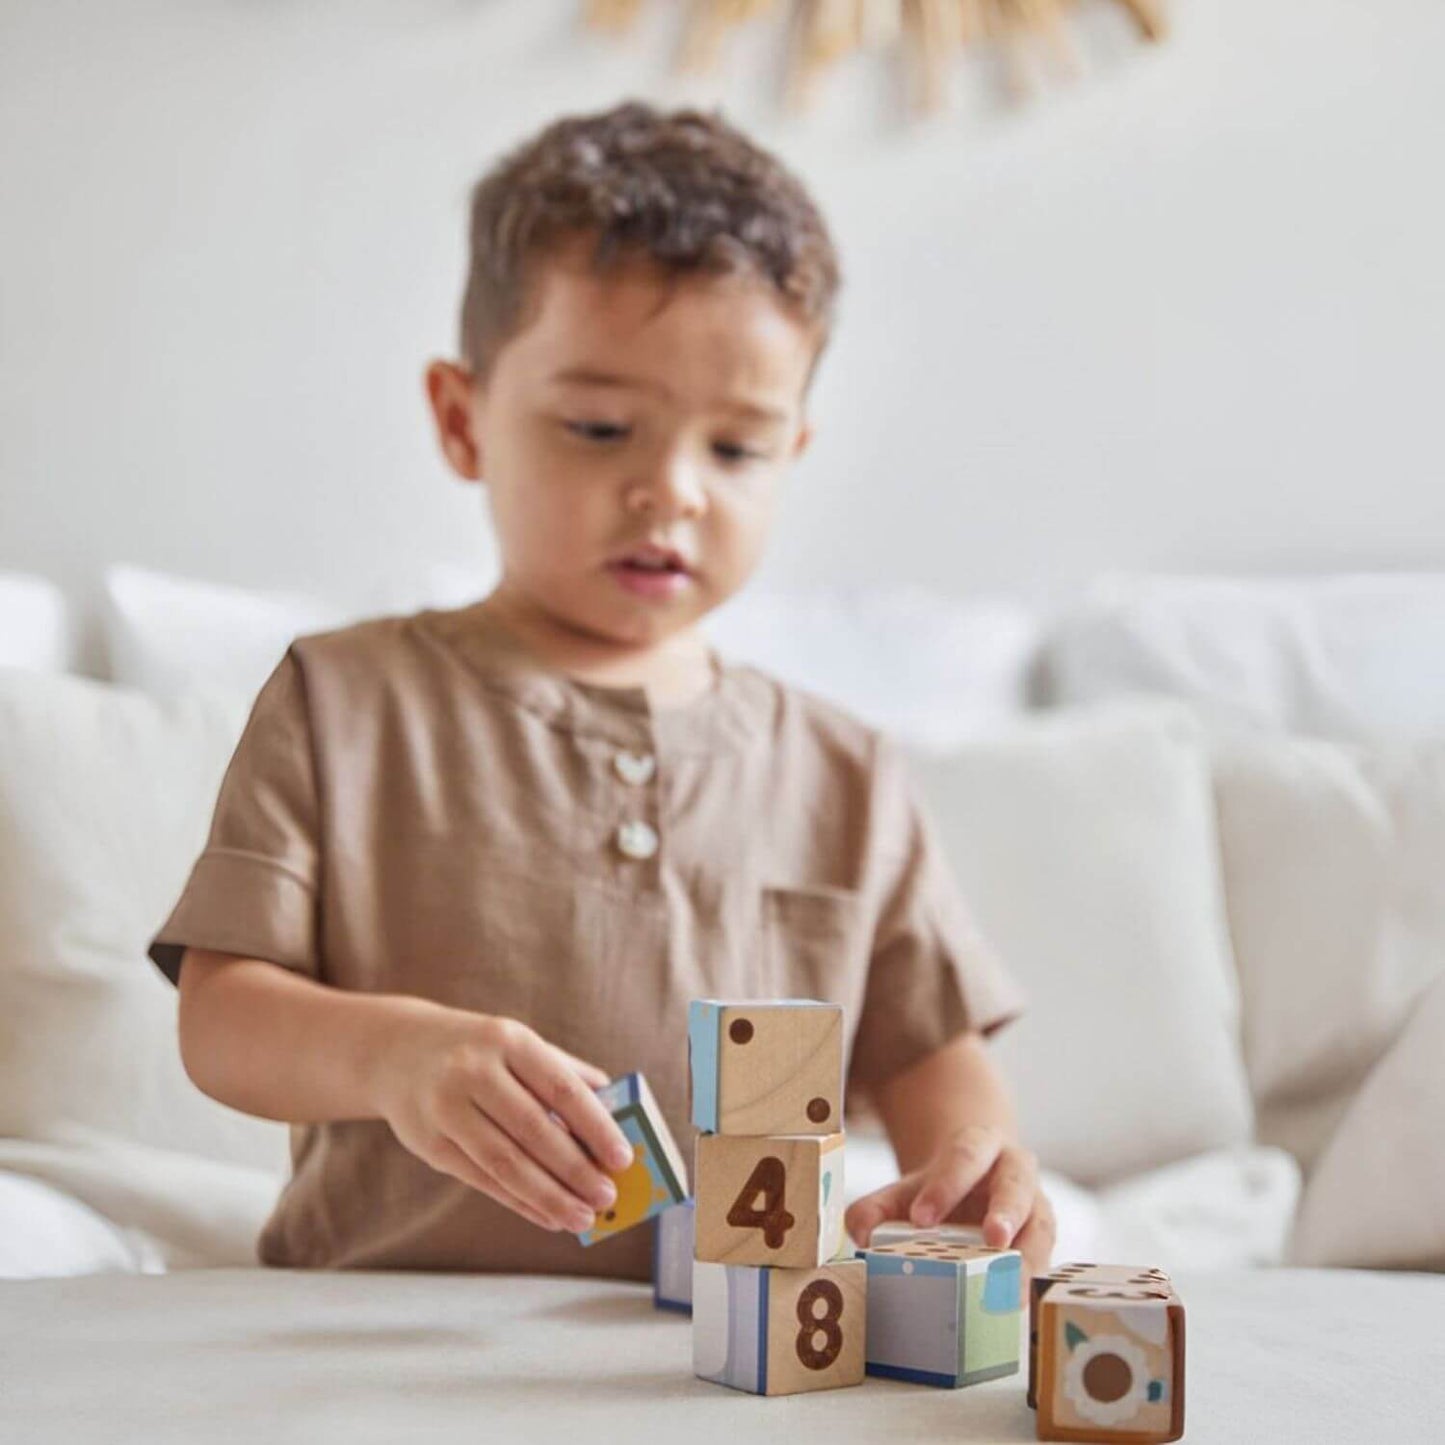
672,490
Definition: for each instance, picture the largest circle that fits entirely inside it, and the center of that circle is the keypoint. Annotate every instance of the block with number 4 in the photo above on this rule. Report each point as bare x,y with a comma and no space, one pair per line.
767,1067
942,1313
779,1331
657,1177
1111,1362
775,1201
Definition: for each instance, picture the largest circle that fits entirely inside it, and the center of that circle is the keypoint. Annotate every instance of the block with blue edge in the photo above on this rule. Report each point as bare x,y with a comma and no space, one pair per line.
779,1331
765,1066
673,1242
657,1177
943,1313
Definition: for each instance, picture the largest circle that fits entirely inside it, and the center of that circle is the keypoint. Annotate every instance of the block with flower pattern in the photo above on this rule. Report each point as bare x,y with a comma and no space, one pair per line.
1110,1361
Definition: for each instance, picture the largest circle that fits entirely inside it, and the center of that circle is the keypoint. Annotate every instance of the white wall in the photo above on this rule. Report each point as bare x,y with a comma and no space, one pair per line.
1186,313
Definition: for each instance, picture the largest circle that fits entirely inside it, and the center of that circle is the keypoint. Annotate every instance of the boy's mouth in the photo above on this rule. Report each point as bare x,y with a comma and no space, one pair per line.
651,571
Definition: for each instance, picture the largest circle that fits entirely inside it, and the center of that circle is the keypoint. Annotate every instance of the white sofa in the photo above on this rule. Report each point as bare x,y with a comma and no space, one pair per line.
1204,820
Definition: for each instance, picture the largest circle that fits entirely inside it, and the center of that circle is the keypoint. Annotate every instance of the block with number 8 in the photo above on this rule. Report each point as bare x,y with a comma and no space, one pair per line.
779,1331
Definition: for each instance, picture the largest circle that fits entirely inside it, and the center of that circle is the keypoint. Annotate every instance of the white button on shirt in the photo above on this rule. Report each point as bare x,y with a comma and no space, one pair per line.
637,839
635,768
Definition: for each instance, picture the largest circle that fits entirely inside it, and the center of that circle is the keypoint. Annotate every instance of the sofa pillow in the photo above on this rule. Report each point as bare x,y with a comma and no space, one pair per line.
1377,1195
1349,657
45,1232
105,800
1085,843
35,629
1332,858
935,671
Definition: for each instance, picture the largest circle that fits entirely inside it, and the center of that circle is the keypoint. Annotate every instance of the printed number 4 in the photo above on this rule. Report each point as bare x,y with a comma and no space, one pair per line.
770,1180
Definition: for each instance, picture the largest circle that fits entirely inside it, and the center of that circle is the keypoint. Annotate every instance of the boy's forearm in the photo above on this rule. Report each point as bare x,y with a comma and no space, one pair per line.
273,1043
952,1087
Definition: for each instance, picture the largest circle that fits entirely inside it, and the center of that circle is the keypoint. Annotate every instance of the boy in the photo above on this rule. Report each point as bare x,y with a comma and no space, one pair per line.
466,865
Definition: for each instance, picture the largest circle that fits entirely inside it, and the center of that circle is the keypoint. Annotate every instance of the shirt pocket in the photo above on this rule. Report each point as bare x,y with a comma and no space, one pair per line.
815,945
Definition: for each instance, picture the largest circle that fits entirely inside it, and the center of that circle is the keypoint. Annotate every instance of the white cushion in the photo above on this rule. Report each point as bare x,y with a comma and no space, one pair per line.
1085,843
168,1210
1333,872
45,1232
1345,657
1377,1195
170,635
932,670
105,799
35,629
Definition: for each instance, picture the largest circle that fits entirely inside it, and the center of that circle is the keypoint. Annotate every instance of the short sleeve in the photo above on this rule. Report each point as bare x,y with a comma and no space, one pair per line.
931,974
253,890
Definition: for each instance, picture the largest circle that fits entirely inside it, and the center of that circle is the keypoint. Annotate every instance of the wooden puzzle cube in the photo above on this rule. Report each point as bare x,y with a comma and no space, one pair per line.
1078,1273
767,1067
657,1177
943,1313
1111,1362
672,1255
779,1331
771,1201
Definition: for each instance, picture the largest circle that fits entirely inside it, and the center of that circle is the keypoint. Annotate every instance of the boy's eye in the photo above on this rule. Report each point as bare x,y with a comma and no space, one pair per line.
731,452
606,431
596,431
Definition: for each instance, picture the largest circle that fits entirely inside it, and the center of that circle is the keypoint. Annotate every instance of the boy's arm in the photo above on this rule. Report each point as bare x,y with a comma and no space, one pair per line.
952,1125
473,1095
942,1095
269,1041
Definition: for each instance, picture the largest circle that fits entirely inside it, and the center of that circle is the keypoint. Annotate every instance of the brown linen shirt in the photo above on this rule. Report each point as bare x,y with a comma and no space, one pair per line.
417,806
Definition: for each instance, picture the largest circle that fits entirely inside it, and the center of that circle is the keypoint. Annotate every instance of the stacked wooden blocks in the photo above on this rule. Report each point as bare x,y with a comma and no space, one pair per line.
776,1311
1106,1354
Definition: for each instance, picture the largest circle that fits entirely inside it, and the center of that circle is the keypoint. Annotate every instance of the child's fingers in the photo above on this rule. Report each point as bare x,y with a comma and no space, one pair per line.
500,1158
955,1171
460,1166
539,1066
1036,1239
592,1076
1012,1187
864,1215
522,1117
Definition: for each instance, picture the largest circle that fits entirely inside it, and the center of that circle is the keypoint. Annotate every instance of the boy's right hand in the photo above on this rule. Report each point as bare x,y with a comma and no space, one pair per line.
492,1103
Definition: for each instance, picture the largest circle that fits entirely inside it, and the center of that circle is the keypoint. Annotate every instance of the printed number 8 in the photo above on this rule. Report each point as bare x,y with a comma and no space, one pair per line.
825,1324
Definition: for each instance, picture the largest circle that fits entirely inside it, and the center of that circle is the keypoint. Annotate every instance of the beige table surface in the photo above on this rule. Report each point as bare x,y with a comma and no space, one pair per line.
275,1356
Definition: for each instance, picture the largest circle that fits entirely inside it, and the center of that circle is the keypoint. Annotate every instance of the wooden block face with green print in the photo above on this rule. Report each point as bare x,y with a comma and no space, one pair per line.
774,1201
1111,1362
943,1313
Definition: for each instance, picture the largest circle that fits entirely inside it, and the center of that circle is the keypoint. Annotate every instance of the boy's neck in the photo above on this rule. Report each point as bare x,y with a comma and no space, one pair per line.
672,672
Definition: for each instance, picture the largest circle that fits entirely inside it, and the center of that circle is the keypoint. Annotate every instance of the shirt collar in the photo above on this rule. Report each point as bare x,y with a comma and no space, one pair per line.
728,714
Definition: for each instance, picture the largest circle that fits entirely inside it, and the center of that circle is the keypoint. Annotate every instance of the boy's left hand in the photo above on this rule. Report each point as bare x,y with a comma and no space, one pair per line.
978,1177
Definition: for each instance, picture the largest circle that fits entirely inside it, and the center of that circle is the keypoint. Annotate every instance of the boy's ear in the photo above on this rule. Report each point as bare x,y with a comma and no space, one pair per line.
451,390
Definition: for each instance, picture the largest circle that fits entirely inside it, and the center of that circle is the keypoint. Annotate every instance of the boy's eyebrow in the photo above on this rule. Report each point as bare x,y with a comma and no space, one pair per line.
588,376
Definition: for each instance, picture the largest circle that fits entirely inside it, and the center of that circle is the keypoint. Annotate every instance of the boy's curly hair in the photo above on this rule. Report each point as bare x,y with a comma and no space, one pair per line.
681,187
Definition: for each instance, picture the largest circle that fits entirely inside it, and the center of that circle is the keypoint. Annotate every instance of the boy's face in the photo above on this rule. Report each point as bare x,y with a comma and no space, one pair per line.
632,438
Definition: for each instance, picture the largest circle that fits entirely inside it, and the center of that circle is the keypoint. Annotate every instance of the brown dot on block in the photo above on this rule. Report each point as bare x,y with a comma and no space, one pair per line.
1107,1378
740,1031
818,1109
